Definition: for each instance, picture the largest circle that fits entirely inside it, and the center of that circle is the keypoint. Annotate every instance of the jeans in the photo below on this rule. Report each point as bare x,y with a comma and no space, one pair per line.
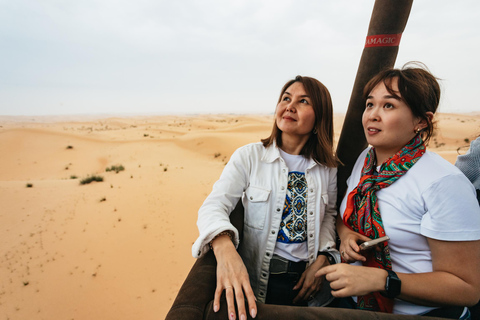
280,289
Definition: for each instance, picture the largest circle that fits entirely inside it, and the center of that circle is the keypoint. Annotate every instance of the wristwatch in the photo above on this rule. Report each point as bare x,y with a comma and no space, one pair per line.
329,256
393,286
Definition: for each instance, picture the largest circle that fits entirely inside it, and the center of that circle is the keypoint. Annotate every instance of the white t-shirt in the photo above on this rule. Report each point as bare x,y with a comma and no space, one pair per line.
433,199
291,240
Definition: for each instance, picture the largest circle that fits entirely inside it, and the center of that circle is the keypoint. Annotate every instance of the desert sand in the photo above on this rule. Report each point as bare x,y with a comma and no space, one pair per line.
120,248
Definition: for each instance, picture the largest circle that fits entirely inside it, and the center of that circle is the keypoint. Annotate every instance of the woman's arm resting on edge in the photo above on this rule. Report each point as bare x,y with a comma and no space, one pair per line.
232,276
455,279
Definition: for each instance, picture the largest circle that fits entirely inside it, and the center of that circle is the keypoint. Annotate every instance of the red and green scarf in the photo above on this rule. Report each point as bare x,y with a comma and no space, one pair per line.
363,216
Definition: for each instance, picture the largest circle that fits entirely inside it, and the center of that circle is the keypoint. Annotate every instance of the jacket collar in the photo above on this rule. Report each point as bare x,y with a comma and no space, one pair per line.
271,153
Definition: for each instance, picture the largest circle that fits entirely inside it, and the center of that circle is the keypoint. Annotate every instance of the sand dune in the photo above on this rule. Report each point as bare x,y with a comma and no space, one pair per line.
119,249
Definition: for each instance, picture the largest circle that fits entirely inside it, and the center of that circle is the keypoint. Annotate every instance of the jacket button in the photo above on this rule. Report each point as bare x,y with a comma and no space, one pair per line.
273,231
278,209
311,212
251,198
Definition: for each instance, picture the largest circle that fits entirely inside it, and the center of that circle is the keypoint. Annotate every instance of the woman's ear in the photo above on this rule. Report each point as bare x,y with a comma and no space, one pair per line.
423,123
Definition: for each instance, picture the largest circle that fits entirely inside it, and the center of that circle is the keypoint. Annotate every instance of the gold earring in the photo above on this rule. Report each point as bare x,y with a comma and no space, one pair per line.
417,130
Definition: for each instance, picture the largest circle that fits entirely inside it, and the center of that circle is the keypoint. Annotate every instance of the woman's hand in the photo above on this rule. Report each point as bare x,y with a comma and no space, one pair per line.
349,248
308,283
232,276
347,280
349,239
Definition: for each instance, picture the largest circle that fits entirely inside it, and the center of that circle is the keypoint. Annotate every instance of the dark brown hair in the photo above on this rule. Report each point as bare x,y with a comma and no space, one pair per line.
319,145
417,87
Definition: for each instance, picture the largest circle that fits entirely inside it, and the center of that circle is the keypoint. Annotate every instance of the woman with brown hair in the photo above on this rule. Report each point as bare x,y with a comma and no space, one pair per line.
424,204
287,184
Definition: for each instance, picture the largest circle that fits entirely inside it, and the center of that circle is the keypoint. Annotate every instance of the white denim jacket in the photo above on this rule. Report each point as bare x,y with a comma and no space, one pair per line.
259,176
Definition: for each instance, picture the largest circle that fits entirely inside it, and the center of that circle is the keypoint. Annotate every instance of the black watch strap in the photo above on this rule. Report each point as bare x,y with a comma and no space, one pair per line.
330,257
393,286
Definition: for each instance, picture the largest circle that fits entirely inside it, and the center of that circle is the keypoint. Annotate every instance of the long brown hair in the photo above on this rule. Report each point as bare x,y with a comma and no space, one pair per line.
319,145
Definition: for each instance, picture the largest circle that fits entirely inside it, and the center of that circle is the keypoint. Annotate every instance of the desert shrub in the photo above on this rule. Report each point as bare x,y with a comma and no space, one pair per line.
73,177
91,179
116,168
29,185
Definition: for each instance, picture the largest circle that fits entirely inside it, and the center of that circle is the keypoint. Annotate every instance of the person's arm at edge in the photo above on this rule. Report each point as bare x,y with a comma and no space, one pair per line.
232,276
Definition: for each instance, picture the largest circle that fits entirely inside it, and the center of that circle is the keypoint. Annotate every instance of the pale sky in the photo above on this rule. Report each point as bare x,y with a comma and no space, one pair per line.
213,56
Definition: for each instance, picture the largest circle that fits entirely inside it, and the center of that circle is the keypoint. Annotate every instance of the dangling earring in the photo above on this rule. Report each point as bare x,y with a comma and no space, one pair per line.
314,131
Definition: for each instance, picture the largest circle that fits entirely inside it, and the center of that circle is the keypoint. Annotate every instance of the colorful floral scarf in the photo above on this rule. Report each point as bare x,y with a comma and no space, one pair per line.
363,216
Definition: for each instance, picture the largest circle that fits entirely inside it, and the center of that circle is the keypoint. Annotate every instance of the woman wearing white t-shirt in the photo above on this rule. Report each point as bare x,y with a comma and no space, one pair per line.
287,184
423,203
